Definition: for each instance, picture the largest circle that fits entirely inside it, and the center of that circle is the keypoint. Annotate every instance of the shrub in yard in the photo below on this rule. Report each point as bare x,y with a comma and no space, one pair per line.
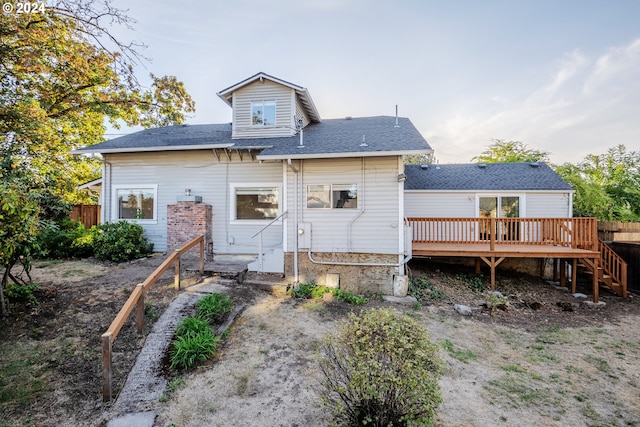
213,308
65,239
190,349
380,369
120,241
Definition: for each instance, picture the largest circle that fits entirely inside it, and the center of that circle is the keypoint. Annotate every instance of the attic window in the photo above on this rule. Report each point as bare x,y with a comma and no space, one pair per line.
263,113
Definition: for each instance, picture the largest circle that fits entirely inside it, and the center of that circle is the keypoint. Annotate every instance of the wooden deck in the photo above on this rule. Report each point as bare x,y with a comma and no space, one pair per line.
492,240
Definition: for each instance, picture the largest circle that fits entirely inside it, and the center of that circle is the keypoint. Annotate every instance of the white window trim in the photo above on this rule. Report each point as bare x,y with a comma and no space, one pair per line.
522,196
275,112
114,203
232,202
331,208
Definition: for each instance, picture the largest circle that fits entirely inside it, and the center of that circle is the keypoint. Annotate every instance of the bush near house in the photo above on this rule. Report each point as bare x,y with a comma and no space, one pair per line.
120,241
380,369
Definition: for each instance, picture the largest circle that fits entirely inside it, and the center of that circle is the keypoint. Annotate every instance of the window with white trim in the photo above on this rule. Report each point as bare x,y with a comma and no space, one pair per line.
136,202
263,113
255,202
332,196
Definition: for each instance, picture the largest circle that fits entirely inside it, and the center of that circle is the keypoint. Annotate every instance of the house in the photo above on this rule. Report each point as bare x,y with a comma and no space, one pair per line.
313,199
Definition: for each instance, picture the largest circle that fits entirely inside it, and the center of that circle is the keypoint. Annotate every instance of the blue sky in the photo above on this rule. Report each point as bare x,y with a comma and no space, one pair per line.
562,76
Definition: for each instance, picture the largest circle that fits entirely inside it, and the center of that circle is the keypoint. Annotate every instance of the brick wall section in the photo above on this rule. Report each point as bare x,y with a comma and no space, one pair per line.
356,279
186,221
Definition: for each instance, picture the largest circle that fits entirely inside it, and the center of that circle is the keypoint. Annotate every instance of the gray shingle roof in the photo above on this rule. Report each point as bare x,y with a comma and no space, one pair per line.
328,138
493,176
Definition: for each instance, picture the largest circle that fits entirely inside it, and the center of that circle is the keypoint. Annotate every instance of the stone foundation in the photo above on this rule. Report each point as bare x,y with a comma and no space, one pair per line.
185,222
355,279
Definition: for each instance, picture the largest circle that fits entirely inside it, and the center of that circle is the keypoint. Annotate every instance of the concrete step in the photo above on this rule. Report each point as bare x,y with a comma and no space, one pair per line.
270,282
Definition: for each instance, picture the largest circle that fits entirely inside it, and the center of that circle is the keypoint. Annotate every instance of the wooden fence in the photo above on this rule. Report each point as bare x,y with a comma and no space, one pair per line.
88,215
617,231
571,232
136,300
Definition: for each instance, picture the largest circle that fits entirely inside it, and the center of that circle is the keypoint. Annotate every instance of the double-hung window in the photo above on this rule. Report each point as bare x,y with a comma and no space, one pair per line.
263,113
135,202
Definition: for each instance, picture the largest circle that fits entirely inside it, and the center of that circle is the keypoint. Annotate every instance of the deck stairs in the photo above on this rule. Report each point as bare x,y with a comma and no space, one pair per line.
611,271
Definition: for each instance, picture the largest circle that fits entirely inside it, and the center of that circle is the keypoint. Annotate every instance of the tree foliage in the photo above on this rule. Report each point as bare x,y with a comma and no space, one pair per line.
501,151
607,185
63,76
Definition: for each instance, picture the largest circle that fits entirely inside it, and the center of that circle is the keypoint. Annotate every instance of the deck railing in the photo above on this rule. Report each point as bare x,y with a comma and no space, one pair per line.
579,233
136,300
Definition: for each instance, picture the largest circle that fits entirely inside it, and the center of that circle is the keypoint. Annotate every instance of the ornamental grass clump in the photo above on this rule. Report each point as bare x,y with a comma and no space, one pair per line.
380,369
214,308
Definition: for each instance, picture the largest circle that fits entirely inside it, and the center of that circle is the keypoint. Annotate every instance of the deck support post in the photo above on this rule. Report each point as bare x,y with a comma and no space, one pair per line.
493,263
596,286
478,271
563,273
574,275
555,269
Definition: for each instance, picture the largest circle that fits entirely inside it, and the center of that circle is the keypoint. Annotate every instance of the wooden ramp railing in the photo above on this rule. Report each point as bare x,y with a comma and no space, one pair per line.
136,300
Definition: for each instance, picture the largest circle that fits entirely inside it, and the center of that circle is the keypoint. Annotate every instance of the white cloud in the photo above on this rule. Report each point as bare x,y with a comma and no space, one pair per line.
586,105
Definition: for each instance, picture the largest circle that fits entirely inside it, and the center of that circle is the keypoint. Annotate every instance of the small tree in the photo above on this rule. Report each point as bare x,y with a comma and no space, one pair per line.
501,151
380,369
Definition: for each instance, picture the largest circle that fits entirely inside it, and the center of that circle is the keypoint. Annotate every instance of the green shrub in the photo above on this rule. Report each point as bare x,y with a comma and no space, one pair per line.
120,241
213,308
349,298
191,349
380,369
22,292
307,291
192,326
423,290
65,239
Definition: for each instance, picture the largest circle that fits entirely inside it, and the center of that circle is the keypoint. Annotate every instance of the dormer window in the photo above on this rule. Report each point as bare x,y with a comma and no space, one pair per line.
263,113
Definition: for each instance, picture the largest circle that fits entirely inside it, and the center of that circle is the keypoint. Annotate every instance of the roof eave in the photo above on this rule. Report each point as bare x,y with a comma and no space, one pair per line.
89,150
339,155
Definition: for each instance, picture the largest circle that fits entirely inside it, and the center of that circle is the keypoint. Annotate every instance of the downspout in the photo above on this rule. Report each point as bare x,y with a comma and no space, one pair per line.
106,191
296,277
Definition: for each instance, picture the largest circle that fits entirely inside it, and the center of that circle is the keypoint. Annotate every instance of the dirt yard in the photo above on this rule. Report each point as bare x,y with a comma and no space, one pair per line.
535,356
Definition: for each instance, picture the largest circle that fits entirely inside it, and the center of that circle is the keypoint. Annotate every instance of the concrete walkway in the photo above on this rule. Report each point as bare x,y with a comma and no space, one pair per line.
145,384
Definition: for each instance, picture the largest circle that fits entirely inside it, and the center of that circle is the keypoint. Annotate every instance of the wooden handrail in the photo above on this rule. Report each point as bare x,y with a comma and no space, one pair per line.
613,265
572,232
136,299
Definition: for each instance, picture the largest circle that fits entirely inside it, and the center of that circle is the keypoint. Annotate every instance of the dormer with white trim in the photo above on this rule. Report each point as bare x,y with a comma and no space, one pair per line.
267,107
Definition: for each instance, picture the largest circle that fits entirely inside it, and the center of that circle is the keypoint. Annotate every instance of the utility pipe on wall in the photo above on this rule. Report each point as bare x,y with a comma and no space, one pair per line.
295,215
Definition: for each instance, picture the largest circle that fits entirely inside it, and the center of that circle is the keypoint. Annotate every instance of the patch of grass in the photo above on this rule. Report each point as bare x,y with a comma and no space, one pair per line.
313,305
172,387
23,375
75,272
539,353
214,307
517,389
599,363
462,355
47,263
193,348
192,326
150,312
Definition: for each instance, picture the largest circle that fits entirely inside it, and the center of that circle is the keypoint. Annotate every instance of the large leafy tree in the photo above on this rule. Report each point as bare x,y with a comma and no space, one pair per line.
63,76
501,151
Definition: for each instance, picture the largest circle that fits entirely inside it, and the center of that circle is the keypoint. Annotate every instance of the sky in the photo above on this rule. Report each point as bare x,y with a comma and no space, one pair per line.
562,76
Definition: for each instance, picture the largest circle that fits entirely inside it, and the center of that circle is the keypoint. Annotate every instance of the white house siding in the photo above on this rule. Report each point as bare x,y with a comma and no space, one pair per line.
374,224
548,205
207,177
266,91
428,204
